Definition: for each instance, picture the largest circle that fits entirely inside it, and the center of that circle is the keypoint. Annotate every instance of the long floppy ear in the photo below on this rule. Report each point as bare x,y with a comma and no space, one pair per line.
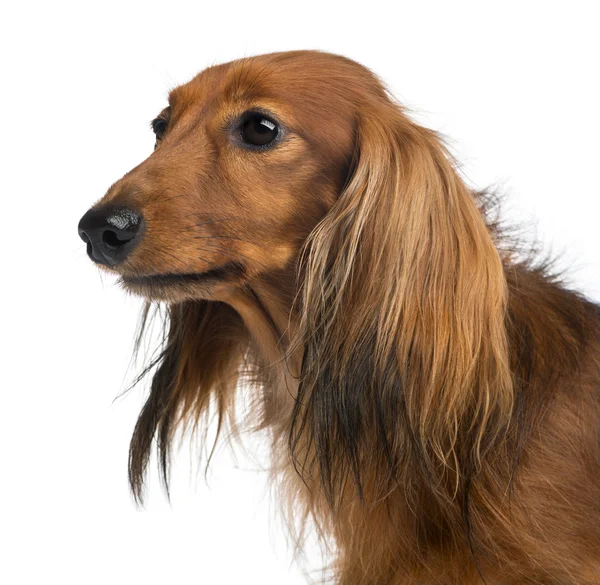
200,364
403,309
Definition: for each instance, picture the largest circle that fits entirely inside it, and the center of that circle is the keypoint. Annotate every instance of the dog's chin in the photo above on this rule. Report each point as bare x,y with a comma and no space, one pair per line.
179,287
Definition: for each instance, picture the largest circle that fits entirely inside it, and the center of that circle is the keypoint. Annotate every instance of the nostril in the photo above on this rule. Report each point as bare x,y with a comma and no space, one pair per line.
111,238
110,233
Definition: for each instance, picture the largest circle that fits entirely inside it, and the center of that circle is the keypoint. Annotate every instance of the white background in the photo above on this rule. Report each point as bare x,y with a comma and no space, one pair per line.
514,85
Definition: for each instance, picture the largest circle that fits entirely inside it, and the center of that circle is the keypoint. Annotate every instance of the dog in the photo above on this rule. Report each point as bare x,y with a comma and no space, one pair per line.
431,394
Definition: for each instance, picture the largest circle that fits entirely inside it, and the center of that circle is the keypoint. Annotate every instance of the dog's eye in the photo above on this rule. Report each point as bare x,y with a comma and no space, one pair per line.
159,127
258,130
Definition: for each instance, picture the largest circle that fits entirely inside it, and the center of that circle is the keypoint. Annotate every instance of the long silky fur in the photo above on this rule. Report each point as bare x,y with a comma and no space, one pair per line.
202,359
430,348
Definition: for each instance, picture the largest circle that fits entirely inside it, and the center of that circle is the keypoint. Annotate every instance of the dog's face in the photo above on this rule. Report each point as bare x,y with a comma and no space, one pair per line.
249,157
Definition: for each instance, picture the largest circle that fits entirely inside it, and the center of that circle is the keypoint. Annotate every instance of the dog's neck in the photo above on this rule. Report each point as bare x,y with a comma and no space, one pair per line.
266,308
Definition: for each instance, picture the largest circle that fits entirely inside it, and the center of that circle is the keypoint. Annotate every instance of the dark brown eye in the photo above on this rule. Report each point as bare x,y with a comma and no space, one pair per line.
159,127
258,130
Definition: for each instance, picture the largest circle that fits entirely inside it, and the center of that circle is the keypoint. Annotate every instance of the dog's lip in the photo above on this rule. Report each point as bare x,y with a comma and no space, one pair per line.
175,278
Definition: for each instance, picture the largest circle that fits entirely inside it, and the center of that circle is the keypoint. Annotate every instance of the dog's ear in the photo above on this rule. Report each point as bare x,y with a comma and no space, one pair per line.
403,309
199,365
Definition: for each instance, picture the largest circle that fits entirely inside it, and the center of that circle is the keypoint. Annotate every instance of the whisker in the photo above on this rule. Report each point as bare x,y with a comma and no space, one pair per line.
174,197
228,251
153,199
258,77
171,255
212,221
219,237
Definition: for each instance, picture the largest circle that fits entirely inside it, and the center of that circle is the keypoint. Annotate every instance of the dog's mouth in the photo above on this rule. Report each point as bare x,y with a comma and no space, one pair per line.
154,283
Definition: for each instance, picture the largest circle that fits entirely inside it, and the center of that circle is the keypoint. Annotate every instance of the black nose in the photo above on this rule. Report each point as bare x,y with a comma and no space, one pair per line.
110,233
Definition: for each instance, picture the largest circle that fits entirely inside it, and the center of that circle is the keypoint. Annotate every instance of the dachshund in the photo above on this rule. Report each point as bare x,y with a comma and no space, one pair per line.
430,390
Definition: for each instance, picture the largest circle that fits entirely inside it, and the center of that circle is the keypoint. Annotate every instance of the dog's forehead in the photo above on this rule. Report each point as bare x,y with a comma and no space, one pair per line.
305,79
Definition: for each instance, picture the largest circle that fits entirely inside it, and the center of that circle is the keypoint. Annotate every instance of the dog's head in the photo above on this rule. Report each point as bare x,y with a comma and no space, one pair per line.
249,157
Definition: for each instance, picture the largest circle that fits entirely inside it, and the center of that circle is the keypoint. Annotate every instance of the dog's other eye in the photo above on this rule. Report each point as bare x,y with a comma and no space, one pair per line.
258,130
159,127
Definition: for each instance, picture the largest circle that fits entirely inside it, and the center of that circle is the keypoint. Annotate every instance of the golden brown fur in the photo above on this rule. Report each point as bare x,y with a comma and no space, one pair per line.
433,401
